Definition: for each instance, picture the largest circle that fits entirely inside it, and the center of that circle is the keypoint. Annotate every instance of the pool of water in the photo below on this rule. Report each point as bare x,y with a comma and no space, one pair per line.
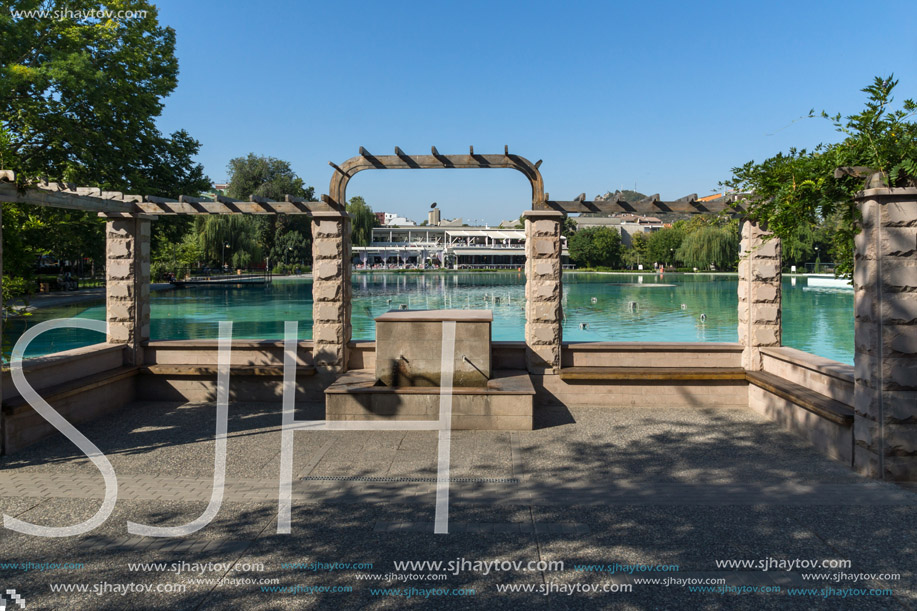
597,307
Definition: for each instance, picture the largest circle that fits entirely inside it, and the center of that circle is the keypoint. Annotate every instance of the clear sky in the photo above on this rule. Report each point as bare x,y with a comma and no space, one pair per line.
664,96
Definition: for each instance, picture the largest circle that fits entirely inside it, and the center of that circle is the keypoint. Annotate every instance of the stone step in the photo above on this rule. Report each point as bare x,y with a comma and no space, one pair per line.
651,373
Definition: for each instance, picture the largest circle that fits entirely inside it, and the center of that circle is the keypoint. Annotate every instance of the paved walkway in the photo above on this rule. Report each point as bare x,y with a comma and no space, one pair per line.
589,487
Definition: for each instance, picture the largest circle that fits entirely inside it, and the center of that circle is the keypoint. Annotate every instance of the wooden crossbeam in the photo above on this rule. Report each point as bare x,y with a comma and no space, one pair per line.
649,205
71,200
226,205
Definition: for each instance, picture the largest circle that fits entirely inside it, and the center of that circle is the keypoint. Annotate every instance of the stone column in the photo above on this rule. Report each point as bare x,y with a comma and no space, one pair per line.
759,293
127,284
1,303
331,290
543,290
885,335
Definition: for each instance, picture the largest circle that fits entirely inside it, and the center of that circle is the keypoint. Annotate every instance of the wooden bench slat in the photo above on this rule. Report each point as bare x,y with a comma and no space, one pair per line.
652,373
826,407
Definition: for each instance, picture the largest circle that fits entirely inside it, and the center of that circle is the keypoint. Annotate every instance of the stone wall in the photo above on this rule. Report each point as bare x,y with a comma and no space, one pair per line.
759,293
543,290
331,290
885,357
127,269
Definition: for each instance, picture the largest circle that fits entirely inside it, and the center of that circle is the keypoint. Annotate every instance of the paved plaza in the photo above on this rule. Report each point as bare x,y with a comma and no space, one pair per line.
650,487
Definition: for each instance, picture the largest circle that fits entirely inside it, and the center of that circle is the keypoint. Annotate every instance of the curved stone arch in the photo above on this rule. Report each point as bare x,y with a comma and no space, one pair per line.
436,161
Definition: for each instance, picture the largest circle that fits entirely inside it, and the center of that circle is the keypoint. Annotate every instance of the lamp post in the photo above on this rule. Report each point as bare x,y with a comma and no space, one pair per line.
223,259
817,260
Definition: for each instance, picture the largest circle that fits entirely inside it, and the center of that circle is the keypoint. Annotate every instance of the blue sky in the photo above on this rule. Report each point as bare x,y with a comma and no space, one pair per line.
667,96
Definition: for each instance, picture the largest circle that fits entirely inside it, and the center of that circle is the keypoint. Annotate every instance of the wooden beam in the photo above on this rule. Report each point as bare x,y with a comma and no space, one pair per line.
228,206
70,200
650,205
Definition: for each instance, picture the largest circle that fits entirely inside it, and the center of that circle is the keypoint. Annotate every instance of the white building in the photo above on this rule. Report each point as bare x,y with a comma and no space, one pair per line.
443,246
394,219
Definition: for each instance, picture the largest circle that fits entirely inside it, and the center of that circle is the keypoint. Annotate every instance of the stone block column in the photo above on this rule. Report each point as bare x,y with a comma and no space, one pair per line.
127,284
760,280
543,290
885,335
331,290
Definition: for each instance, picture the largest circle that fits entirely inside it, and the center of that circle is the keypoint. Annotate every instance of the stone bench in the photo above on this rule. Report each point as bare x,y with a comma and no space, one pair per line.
818,404
197,383
79,400
825,422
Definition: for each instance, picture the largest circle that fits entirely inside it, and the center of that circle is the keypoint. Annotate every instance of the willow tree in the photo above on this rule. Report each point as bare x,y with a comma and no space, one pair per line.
710,245
362,221
228,238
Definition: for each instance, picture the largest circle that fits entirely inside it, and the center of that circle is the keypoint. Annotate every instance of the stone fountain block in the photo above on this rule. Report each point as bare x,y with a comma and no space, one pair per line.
409,347
505,403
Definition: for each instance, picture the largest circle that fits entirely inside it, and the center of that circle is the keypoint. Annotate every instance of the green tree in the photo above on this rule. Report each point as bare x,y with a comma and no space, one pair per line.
265,177
710,245
79,99
636,254
228,239
801,188
292,247
569,227
362,221
271,178
596,247
662,246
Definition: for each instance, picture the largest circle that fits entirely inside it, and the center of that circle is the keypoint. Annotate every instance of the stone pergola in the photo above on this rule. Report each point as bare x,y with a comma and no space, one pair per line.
885,281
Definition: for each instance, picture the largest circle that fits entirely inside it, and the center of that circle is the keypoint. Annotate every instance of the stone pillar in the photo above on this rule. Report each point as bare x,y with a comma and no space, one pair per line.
885,335
127,284
759,293
331,290
1,305
543,290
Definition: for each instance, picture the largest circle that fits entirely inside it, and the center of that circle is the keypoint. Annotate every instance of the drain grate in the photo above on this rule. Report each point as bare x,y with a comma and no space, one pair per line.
411,480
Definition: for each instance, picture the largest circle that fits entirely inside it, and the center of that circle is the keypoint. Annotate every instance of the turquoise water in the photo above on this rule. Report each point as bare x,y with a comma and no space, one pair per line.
819,321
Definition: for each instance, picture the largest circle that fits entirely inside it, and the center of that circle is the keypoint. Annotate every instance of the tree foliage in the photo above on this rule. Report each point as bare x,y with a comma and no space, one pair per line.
79,99
362,221
265,177
280,237
799,188
662,246
710,245
229,239
596,247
